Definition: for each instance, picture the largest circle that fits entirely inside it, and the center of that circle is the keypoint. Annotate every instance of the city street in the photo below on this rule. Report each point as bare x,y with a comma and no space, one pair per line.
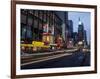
75,59
52,39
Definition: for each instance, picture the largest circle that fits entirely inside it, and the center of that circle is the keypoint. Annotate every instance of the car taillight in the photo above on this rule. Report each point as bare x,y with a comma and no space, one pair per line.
34,48
22,48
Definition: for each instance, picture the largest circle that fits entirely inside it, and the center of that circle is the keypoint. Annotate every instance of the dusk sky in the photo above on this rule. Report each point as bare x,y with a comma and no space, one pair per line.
85,19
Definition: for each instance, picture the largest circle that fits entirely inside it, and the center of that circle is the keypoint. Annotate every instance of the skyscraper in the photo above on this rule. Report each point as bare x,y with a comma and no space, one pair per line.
63,15
70,29
85,38
75,37
80,31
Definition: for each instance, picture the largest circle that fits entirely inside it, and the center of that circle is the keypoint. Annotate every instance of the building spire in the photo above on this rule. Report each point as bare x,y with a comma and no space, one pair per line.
80,23
79,19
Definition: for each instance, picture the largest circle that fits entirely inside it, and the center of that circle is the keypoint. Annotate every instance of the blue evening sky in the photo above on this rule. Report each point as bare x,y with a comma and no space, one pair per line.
85,19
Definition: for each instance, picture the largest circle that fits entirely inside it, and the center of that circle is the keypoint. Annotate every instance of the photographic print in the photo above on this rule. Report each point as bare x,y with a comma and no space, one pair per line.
53,39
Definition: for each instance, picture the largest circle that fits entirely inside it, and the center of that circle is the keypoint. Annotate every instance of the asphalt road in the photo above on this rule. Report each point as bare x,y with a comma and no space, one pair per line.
77,59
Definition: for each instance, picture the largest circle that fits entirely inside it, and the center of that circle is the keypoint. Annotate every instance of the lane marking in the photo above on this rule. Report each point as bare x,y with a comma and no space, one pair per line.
47,58
46,53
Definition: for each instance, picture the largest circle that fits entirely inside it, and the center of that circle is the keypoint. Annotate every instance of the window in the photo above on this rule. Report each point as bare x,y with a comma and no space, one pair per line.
23,31
45,16
40,25
40,14
23,18
29,32
35,22
36,13
30,21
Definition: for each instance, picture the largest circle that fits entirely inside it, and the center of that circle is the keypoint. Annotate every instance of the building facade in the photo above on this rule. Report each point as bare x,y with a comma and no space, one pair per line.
40,25
70,29
85,38
75,38
80,31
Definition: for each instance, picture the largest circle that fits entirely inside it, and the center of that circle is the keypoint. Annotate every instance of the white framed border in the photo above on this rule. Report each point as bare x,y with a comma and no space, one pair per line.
52,70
